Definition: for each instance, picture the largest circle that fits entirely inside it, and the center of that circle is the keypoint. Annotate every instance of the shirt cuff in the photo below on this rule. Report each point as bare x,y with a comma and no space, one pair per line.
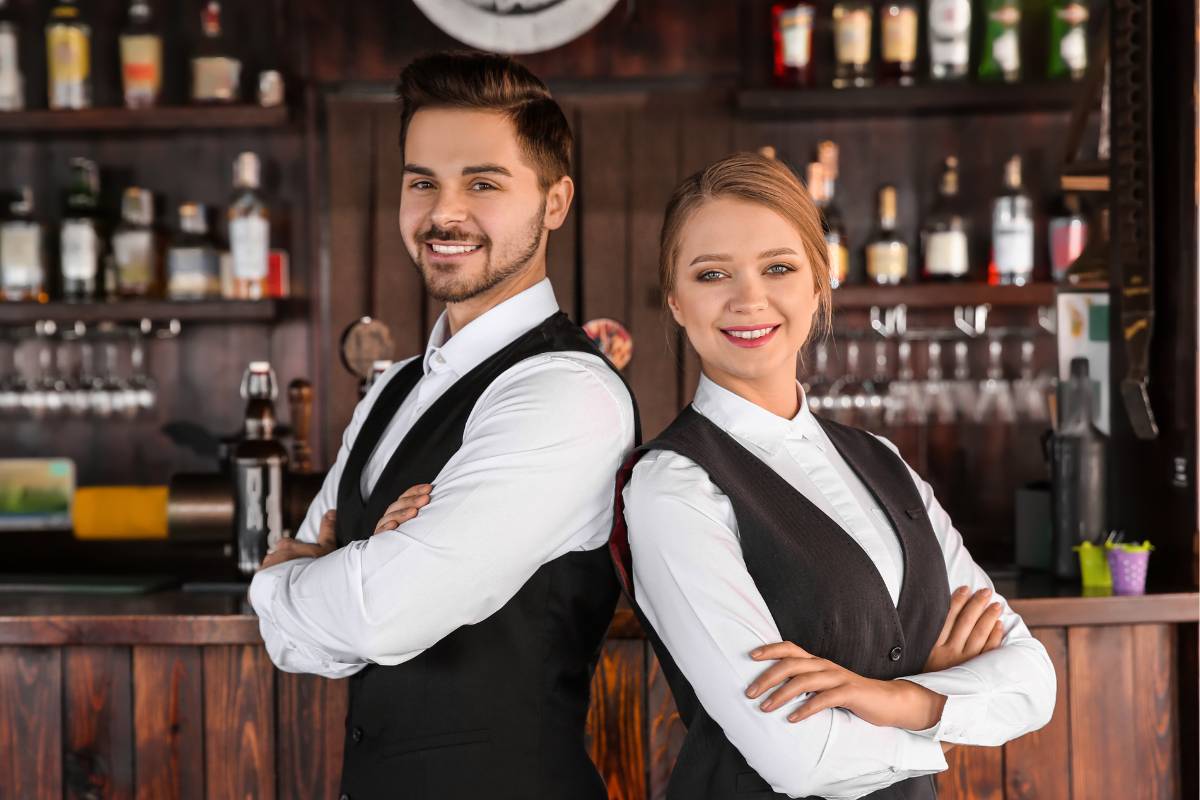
966,703
922,756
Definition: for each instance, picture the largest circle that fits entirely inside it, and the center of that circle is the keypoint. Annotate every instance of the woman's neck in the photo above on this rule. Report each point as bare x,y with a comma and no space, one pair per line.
776,393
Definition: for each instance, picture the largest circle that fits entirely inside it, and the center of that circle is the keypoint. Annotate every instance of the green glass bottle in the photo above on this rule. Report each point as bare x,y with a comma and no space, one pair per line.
1068,39
1001,56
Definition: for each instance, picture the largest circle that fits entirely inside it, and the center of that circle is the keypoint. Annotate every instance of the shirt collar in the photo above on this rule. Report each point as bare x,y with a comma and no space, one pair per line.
490,331
745,420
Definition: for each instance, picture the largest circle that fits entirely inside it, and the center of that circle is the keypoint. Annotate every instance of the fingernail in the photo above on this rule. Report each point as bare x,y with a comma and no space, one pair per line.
752,692
793,717
756,652
767,705
960,591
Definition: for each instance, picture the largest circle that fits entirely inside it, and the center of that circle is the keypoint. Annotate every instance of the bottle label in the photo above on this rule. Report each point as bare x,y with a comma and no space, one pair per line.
141,63
946,253
899,31
10,71
69,57
249,241
795,29
887,260
949,27
80,250
1073,49
853,37
1012,247
839,263
1068,236
215,78
134,253
1006,50
192,273
21,256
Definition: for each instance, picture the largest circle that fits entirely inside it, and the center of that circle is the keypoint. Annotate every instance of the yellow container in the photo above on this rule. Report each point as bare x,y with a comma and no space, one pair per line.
120,512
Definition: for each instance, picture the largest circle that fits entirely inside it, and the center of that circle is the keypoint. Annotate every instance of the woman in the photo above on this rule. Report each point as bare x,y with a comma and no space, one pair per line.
790,569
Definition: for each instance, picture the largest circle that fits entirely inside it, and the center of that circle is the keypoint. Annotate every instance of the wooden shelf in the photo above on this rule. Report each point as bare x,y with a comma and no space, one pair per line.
921,100
142,120
134,310
943,295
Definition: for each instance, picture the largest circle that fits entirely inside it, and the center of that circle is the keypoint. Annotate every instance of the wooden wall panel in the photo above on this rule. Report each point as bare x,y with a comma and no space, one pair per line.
239,722
168,714
562,250
1033,764
310,731
31,736
1102,674
616,722
1156,705
604,202
97,723
973,773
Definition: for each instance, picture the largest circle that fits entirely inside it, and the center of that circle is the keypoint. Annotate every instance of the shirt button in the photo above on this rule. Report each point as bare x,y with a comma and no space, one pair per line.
357,733
897,651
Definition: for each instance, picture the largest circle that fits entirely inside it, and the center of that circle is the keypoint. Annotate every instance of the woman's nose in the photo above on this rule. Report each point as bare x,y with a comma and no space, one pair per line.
748,296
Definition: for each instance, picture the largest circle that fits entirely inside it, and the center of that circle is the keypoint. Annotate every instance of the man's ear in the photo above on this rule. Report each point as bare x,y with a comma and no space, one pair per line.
558,202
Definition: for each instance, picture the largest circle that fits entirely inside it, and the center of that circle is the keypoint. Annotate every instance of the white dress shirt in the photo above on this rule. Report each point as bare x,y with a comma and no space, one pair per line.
532,481
691,582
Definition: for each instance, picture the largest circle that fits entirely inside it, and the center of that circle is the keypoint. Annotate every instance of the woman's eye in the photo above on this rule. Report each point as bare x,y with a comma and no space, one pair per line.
780,269
709,275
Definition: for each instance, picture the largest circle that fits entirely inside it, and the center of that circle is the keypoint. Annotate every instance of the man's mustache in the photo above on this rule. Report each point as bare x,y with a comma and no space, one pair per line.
446,235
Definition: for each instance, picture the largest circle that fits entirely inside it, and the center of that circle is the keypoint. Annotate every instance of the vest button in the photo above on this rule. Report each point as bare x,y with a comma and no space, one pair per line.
343,796
357,734
897,651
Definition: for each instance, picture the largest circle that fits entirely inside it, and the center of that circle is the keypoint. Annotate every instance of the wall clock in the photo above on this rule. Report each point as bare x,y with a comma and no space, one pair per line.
515,26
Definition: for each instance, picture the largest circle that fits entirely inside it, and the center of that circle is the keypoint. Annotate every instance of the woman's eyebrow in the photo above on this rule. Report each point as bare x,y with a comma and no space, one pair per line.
711,257
778,251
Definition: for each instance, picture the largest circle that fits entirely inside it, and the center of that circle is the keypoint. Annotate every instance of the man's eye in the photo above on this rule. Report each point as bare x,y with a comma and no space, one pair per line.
421,185
482,186
710,275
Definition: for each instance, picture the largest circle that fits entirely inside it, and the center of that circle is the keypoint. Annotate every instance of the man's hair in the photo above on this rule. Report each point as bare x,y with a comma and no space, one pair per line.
490,82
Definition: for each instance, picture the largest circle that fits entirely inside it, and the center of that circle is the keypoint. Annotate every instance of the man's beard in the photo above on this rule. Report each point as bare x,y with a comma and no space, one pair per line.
460,290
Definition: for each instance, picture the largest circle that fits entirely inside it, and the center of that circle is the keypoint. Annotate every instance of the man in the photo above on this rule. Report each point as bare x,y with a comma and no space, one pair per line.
453,563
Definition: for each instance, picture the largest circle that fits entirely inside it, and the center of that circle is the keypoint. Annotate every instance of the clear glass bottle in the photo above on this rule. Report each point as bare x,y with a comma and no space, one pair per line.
852,22
1000,59
898,37
792,32
193,269
945,237
949,39
22,253
68,57
12,85
1012,231
249,231
80,243
887,253
141,58
216,74
1068,237
1068,39
135,246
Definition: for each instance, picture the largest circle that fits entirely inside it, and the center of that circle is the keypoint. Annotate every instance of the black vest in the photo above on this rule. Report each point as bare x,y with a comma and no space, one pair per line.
496,709
821,587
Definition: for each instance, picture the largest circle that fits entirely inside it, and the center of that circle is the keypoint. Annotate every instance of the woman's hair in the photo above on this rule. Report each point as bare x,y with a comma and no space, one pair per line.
755,179
490,82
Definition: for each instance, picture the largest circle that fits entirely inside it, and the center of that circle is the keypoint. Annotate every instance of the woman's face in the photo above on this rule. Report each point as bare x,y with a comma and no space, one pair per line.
743,291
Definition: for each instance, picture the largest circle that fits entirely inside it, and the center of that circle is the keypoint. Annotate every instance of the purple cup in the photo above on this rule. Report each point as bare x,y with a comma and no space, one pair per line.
1128,569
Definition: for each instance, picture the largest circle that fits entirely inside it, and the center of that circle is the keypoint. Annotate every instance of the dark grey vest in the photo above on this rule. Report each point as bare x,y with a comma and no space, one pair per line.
821,587
495,709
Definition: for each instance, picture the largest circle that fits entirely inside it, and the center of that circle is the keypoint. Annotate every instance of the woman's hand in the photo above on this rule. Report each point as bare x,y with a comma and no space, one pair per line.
895,704
289,548
405,508
972,627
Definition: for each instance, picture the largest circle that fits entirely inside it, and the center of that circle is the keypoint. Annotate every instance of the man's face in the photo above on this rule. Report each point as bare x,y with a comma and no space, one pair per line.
472,212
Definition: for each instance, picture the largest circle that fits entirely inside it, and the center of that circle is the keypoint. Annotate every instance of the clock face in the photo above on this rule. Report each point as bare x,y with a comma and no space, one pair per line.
515,26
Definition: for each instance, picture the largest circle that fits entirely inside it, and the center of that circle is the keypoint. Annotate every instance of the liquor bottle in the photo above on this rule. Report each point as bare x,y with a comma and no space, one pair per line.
852,43
1068,39
79,238
792,31
838,244
1068,237
949,39
887,253
1001,56
249,231
1012,231
22,257
1078,468
12,86
68,57
141,58
135,247
216,75
259,461
945,236
193,271
898,42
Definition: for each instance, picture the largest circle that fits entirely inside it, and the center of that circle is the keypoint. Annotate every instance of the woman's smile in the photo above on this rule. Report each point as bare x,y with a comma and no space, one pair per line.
750,335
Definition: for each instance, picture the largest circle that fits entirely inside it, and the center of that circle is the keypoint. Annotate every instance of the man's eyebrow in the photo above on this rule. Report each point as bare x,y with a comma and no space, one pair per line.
418,170
480,169
710,257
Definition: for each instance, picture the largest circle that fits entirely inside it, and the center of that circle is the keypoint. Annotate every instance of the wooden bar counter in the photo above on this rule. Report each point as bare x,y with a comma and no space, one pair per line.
171,695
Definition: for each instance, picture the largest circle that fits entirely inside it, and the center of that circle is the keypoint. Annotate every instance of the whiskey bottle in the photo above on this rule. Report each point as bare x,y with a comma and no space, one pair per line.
792,31
216,75
887,253
949,39
852,43
12,88
249,231
68,57
80,244
22,258
1012,231
898,42
945,235
193,271
141,58
135,246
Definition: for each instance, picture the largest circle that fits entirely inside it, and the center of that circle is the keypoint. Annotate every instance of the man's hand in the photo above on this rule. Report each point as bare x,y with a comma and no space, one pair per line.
894,704
972,627
289,548
405,508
